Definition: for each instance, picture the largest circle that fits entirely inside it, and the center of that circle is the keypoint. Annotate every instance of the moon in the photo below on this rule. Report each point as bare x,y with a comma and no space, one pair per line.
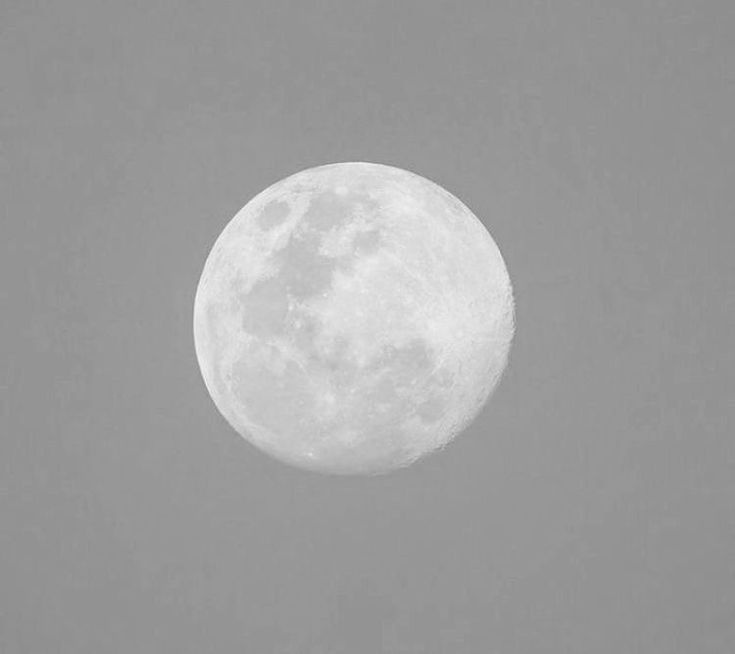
352,318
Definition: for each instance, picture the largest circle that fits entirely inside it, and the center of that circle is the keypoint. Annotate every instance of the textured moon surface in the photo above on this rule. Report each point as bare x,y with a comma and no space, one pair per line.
352,318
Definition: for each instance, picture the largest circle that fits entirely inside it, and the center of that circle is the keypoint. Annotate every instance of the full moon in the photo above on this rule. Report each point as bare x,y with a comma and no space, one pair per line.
352,318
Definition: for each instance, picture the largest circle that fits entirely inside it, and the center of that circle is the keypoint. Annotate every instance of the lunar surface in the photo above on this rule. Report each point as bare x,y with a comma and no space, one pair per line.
352,318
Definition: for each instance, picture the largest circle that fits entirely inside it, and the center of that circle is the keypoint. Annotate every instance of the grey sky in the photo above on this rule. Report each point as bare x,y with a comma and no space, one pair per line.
589,509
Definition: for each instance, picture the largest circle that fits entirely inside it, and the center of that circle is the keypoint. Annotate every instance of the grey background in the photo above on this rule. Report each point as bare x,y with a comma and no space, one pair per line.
591,508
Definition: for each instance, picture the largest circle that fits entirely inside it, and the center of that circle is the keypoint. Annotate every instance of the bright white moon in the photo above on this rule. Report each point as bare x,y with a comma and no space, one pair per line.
352,318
